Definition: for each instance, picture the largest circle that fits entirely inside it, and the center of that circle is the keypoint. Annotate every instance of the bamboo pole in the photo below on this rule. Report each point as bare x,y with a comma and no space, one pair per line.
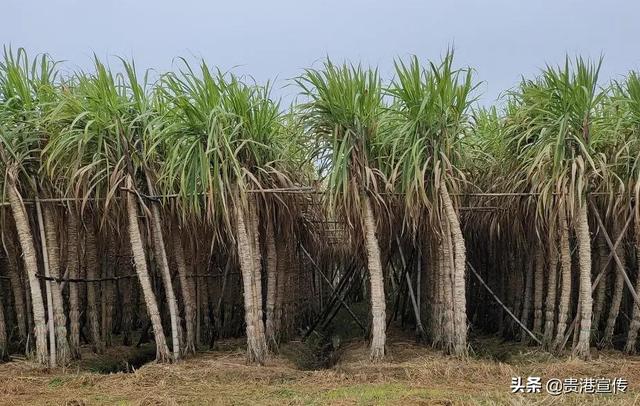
414,303
620,265
345,283
533,336
217,316
342,302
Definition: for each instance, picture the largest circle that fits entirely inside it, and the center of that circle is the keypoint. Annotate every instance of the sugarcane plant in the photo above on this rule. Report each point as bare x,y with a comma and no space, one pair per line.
343,112
428,117
239,217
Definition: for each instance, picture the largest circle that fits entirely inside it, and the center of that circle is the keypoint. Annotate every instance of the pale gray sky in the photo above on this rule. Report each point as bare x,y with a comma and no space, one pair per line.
501,39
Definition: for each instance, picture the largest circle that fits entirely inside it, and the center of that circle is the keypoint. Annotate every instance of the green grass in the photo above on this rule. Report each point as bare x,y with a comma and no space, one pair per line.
56,382
367,394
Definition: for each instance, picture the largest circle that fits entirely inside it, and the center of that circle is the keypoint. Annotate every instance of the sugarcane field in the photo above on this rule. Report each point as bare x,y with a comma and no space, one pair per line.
371,225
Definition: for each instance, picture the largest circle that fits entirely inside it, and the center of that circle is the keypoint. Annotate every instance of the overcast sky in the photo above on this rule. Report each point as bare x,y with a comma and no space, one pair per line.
500,39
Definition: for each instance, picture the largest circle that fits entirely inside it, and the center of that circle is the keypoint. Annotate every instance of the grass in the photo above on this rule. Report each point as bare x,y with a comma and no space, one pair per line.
411,375
373,394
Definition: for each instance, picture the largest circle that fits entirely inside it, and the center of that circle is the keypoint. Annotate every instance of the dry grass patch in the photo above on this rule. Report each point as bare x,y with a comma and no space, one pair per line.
411,375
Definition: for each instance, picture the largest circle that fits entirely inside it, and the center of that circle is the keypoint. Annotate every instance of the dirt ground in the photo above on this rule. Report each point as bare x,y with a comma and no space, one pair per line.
411,375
